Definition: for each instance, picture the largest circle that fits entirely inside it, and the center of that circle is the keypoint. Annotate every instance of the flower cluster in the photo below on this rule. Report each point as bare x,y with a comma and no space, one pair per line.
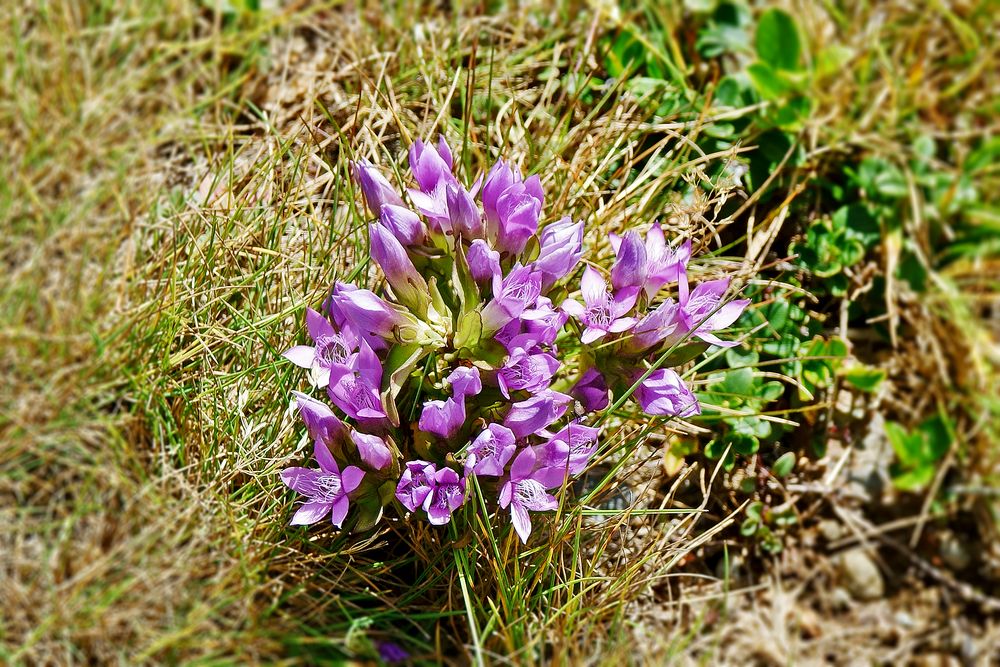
461,368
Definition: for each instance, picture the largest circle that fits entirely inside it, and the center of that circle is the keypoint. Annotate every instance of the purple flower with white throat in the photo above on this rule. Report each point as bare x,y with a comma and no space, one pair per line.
356,391
430,166
321,423
490,452
407,284
526,371
522,492
404,224
373,317
591,390
447,496
629,269
415,484
561,247
330,349
696,314
326,490
664,393
536,413
465,381
511,296
604,313
376,190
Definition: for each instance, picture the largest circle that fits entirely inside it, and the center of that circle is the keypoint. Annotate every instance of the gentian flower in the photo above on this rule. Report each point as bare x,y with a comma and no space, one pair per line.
536,413
429,166
447,496
518,210
376,190
404,224
326,490
511,297
664,393
522,492
463,213
569,450
629,269
416,484
697,306
445,418
591,390
331,349
322,425
524,371
490,452
561,247
655,327
484,262
356,391
604,312
372,316
663,264
372,449
407,284
391,653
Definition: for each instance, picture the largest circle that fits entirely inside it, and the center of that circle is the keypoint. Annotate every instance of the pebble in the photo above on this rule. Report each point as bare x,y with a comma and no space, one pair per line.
861,575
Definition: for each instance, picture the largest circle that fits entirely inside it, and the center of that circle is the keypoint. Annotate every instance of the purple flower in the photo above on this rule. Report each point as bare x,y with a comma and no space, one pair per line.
524,371
372,449
499,178
535,327
404,224
445,418
415,484
434,206
569,450
518,210
430,166
655,327
356,391
662,264
326,489
463,214
367,313
664,393
465,381
490,451
331,349
591,390
447,496
376,190
442,418
484,262
522,492
391,652
322,424
511,297
560,252
629,269
536,413
604,312
697,306
406,282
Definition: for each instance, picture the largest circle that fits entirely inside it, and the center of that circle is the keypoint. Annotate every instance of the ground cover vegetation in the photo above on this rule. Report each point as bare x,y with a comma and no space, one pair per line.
185,179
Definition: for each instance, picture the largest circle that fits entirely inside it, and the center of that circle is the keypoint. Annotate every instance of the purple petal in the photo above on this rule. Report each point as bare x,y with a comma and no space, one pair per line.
339,513
351,478
301,480
300,355
522,522
310,513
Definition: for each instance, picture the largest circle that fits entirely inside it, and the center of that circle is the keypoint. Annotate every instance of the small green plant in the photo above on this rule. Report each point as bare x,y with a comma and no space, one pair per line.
918,451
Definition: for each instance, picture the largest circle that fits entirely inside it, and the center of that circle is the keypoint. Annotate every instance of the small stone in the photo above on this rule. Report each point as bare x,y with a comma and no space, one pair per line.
831,530
905,620
954,552
861,575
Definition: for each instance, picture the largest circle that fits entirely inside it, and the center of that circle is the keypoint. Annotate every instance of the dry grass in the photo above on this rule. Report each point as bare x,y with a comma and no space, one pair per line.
179,191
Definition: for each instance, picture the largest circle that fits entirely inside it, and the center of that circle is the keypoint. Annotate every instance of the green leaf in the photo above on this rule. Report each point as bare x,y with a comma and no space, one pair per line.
470,330
865,378
395,371
783,465
777,40
468,292
767,81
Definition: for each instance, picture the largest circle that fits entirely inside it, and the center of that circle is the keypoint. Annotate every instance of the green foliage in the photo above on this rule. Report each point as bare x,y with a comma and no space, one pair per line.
918,451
